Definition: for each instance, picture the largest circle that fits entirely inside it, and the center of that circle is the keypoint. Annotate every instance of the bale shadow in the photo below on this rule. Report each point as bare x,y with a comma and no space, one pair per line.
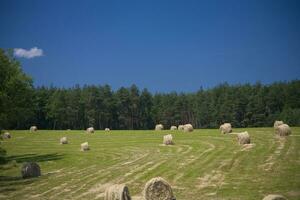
9,162
9,184
34,157
2,155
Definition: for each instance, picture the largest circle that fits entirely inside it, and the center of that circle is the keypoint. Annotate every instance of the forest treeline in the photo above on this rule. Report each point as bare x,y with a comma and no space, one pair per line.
246,105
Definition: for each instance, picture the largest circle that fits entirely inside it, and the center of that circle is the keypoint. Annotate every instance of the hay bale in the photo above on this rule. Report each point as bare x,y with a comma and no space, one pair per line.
243,138
84,146
30,169
107,129
277,123
6,135
159,127
33,128
226,128
90,130
168,140
181,127
283,130
173,128
274,197
158,189
188,128
117,192
63,140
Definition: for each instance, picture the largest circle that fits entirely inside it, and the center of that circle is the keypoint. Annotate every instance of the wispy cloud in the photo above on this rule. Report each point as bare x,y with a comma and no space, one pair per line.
31,53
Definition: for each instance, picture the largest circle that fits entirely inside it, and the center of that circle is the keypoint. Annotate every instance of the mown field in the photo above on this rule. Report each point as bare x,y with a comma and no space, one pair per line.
201,165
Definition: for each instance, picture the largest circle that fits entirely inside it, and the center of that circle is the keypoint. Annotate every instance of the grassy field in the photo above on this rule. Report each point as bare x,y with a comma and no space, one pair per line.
201,165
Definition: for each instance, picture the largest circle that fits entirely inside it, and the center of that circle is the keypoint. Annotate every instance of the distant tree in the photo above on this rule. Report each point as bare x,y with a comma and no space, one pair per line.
57,109
124,108
134,106
145,109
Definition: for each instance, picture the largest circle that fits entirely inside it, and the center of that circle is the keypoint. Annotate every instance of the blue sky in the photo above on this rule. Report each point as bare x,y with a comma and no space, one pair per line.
161,45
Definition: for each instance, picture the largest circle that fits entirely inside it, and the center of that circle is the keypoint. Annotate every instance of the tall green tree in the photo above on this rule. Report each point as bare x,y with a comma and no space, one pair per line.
16,93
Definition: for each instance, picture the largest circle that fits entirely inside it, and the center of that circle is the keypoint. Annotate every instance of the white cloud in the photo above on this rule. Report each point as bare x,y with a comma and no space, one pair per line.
31,53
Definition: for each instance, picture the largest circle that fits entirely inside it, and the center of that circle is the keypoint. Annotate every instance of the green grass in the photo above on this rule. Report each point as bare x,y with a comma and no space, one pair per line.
201,165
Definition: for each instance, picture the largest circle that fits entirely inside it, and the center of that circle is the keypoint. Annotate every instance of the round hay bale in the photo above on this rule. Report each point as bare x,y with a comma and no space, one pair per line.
181,127
33,128
107,129
226,128
117,192
158,189
243,138
274,197
6,135
277,123
283,130
30,169
63,140
168,140
90,130
173,128
159,127
84,146
188,128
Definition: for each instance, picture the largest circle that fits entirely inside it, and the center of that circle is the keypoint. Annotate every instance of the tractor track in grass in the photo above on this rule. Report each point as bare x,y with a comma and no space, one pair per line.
45,182
84,181
187,160
271,160
70,175
201,162
98,188
134,174
140,170
100,174
57,186
99,179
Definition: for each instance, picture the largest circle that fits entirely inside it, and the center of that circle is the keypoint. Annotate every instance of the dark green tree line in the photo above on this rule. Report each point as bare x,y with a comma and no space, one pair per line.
247,105
127,108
